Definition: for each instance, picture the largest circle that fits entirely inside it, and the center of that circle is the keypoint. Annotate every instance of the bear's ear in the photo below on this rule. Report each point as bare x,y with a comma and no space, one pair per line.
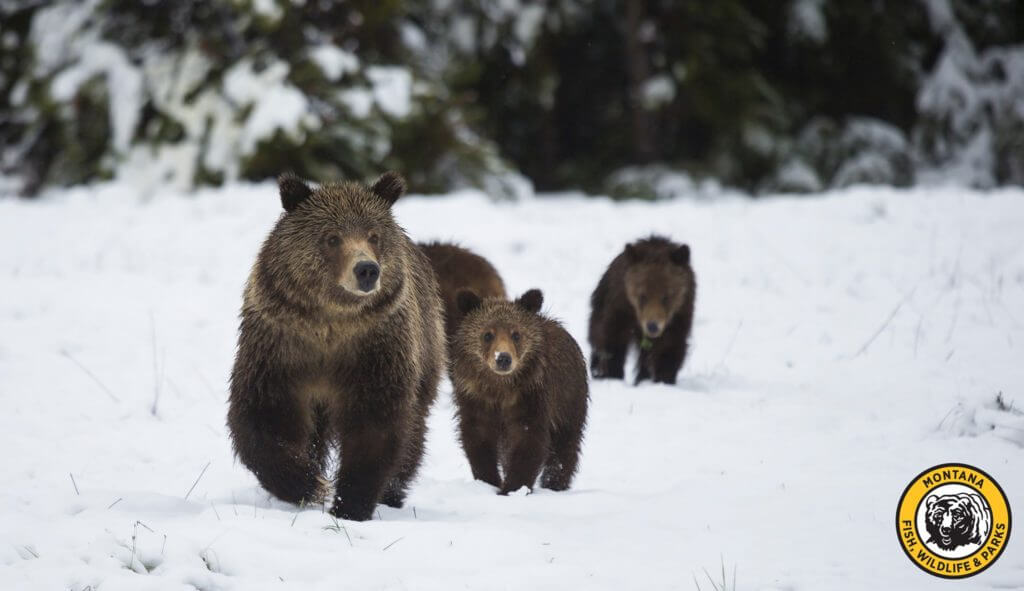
930,501
467,301
293,191
389,187
680,256
632,253
531,301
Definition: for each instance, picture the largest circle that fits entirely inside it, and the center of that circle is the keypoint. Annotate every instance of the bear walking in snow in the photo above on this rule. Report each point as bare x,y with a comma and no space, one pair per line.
521,393
456,269
644,298
341,344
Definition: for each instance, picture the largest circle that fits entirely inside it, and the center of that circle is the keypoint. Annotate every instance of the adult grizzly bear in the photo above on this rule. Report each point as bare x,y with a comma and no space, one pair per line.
456,269
645,297
341,343
521,393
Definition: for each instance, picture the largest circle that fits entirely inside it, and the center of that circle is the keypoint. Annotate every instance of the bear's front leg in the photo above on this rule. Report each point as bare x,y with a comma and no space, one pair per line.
667,358
610,336
528,440
273,436
643,365
609,362
369,455
478,430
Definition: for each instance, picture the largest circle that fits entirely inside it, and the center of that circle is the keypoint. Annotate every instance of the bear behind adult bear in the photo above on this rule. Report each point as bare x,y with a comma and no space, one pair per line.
645,298
520,391
341,344
458,268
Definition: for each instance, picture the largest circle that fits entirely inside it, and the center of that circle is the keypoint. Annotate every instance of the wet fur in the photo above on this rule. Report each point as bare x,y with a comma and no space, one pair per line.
529,423
615,322
318,367
456,269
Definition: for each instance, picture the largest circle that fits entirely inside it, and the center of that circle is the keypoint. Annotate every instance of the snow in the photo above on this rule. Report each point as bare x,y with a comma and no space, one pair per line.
528,23
660,182
282,108
56,32
74,54
807,20
123,82
658,91
797,176
392,89
843,344
268,9
358,100
334,61
277,105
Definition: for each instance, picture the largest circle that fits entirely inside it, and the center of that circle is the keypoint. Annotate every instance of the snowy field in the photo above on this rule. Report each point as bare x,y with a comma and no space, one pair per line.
842,345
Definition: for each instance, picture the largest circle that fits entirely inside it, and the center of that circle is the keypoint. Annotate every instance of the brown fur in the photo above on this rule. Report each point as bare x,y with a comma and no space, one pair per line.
531,417
456,269
321,363
650,285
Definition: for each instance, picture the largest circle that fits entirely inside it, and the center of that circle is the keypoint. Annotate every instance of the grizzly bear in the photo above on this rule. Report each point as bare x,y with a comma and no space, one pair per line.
341,345
956,520
520,392
644,298
457,268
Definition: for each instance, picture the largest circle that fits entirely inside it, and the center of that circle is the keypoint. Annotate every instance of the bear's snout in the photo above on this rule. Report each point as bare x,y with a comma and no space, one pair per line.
653,329
503,361
367,273
946,526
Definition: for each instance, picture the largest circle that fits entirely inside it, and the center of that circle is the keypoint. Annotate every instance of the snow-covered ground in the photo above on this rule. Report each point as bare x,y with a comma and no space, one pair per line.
842,345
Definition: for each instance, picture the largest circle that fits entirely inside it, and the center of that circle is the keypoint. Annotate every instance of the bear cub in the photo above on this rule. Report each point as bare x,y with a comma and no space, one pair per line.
645,298
341,345
520,392
458,268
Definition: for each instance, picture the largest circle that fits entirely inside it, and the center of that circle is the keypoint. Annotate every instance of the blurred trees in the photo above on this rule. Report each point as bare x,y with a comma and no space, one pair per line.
603,95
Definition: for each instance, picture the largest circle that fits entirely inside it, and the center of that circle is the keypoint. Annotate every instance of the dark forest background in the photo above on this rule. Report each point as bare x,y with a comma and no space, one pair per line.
627,97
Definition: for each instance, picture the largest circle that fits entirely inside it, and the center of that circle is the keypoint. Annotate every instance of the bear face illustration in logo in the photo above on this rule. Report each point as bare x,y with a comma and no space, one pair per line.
955,520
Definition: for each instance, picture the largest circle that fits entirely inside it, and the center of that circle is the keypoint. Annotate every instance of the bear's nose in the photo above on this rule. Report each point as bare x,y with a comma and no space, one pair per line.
653,328
503,361
367,273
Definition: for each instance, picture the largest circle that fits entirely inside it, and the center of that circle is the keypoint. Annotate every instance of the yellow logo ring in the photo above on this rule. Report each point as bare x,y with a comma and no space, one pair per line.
953,521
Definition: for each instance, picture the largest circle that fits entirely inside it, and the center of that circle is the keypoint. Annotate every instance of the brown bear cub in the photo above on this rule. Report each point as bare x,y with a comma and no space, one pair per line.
456,269
645,297
341,345
520,391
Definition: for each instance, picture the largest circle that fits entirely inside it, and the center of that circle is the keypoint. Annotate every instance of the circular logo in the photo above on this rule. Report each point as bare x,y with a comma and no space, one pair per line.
953,520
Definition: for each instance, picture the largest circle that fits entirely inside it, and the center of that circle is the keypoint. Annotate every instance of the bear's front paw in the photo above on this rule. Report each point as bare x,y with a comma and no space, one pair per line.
522,491
343,510
324,490
393,498
603,366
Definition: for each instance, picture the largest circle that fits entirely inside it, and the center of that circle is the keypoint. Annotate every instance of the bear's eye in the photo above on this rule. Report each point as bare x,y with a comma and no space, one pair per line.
664,301
642,299
515,337
488,337
333,241
373,239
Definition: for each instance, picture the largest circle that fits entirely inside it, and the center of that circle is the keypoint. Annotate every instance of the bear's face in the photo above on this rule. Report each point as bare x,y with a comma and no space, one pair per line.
501,335
339,241
956,520
656,287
